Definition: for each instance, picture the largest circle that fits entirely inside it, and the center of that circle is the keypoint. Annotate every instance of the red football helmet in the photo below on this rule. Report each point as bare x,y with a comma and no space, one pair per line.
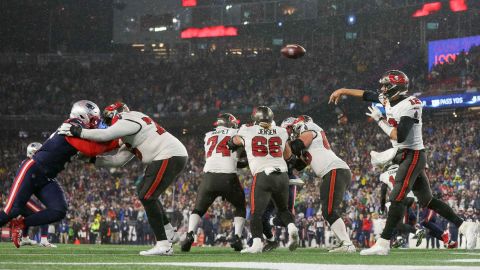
393,83
110,113
226,120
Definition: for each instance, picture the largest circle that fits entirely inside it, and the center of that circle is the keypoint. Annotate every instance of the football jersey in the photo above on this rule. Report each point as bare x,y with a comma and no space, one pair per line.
411,107
142,136
264,148
319,154
219,159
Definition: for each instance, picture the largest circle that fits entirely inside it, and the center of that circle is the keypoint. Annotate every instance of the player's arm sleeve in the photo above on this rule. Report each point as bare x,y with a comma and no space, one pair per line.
123,127
370,96
90,148
404,127
122,157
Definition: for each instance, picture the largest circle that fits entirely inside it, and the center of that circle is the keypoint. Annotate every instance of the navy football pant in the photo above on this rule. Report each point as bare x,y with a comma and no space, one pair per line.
29,181
267,228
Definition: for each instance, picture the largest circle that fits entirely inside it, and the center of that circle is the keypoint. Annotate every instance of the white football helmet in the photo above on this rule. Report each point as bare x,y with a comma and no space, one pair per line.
87,111
32,148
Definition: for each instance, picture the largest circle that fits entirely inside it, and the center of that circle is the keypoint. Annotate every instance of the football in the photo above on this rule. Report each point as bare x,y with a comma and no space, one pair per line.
293,51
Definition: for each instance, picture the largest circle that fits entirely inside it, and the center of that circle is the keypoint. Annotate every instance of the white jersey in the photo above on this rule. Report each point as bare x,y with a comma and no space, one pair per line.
388,177
322,158
411,107
219,159
141,135
264,148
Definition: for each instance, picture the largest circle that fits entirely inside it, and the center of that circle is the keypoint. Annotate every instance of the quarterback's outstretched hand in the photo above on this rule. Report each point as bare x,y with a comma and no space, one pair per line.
335,96
375,113
68,129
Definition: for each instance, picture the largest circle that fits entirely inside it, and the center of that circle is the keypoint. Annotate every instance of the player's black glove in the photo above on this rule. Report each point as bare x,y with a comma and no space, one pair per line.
231,145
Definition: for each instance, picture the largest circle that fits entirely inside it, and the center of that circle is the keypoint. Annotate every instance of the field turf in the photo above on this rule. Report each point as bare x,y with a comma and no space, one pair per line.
126,257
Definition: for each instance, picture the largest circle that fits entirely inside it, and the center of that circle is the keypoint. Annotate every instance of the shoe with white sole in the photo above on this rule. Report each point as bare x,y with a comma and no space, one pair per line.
469,230
160,249
344,248
47,245
257,247
293,240
25,241
172,236
381,247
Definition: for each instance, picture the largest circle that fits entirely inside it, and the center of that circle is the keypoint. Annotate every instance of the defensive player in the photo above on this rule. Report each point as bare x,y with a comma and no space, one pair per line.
34,207
37,175
267,150
164,156
403,124
388,180
220,179
312,145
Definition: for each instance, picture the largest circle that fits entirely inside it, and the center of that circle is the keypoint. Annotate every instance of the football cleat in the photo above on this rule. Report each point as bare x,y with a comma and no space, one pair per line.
469,230
236,243
445,238
186,245
160,249
270,245
381,247
293,240
451,245
17,225
419,235
344,248
257,247
47,245
399,242
172,236
25,241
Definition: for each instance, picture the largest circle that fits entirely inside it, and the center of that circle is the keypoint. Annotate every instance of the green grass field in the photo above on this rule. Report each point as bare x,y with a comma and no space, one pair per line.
126,257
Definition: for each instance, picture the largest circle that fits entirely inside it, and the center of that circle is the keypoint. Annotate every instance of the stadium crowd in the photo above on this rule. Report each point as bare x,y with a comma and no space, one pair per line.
230,83
103,207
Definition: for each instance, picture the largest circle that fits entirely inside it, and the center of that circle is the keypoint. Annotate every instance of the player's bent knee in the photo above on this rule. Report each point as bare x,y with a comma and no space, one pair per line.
424,199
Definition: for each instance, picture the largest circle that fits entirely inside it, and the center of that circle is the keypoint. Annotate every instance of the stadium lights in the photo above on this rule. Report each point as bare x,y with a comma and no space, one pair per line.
227,7
351,19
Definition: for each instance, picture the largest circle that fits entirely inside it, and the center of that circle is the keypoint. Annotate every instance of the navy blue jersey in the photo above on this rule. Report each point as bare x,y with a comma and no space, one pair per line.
54,154
59,149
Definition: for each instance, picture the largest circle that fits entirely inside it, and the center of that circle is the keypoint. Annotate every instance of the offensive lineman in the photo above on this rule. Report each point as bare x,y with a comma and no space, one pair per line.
220,179
267,148
164,156
403,124
312,144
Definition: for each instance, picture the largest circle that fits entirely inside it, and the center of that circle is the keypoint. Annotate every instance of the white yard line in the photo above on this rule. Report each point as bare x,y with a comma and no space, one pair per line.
256,265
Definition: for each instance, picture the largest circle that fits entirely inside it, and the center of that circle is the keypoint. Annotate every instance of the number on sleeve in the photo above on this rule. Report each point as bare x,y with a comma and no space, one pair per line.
148,121
325,141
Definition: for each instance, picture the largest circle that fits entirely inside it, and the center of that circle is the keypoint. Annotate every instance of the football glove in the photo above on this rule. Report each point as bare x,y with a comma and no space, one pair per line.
375,113
70,130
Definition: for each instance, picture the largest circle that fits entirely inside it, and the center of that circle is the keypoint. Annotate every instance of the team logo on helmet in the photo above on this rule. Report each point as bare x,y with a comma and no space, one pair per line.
112,111
226,120
393,83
